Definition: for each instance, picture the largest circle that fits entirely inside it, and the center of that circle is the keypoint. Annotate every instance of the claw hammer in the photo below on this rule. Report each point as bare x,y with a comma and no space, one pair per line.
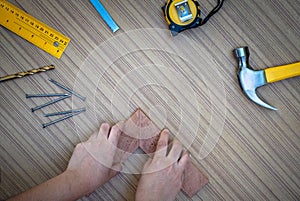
251,79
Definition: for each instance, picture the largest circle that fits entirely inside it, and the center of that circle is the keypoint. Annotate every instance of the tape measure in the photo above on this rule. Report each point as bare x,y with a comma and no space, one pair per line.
32,30
185,14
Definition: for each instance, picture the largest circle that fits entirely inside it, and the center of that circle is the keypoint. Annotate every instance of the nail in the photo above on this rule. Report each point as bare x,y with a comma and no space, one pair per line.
65,112
45,95
49,103
60,119
67,89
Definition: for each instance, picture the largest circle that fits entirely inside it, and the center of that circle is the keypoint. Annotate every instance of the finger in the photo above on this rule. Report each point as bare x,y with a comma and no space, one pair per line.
184,160
162,144
93,136
148,162
117,167
146,166
114,135
104,130
175,151
121,125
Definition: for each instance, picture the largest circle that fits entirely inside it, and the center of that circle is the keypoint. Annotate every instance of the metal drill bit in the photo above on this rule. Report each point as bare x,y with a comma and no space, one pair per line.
61,119
67,89
30,72
65,112
49,103
45,95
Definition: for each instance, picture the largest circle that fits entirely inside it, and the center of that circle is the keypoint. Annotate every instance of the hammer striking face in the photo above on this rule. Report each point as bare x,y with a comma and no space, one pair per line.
250,79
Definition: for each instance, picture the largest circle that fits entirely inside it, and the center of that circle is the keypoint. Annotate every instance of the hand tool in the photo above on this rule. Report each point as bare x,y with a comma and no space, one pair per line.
65,112
185,14
49,103
105,15
30,72
67,89
45,95
61,119
251,79
32,30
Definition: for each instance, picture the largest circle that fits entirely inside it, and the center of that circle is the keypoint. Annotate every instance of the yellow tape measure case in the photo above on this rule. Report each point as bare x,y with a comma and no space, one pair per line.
181,15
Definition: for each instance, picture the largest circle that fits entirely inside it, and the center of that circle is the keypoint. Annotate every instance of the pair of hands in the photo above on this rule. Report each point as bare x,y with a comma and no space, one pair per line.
162,175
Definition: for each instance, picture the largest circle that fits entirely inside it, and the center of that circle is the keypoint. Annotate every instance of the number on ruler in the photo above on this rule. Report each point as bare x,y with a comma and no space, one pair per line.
32,29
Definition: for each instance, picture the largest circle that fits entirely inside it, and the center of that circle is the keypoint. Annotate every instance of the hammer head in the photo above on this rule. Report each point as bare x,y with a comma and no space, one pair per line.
250,79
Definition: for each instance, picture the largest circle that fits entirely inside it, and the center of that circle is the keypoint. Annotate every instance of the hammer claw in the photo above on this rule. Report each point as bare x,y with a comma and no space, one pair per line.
257,100
250,79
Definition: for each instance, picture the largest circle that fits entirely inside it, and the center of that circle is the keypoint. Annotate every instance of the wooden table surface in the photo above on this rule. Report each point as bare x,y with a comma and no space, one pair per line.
186,83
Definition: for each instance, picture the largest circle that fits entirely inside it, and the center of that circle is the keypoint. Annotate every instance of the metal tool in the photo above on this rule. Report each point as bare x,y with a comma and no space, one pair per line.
65,112
32,30
61,119
251,79
49,103
105,15
185,14
45,95
67,89
30,72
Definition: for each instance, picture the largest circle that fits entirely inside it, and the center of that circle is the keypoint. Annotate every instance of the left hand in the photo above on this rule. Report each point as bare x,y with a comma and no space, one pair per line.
93,162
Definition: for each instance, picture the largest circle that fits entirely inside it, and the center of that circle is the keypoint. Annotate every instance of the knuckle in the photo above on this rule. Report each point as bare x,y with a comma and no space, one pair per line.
105,126
79,146
176,142
161,143
177,146
115,128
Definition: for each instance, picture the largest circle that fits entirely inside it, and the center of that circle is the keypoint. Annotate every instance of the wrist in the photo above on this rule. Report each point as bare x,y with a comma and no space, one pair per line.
77,185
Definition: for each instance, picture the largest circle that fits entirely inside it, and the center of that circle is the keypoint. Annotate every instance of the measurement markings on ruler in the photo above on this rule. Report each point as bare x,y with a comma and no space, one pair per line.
33,30
47,39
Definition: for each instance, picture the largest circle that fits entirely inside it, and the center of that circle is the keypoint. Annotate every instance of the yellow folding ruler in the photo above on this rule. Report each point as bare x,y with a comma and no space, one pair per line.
31,29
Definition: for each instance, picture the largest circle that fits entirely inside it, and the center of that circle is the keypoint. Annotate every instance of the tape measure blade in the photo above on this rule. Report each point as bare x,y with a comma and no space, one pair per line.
32,30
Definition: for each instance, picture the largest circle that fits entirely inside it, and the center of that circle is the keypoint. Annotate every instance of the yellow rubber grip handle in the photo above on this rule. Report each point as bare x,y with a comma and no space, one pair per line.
278,73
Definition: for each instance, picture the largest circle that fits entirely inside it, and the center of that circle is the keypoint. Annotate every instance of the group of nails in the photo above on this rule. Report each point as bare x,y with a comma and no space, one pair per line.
67,114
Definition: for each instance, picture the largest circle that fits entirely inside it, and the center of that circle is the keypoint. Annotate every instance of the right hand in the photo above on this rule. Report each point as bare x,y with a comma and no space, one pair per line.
162,176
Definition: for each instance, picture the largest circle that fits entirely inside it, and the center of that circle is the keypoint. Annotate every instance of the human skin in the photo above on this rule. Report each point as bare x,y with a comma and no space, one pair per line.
162,175
93,163
85,172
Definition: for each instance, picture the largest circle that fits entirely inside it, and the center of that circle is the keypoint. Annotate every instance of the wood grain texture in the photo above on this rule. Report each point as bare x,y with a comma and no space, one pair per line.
187,83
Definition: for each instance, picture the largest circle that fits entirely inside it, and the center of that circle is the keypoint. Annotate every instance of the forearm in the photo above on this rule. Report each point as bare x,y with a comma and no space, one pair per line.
85,172
65,186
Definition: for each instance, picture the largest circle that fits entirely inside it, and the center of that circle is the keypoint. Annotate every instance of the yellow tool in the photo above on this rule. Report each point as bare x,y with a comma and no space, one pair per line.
30,72
185,14
32,30
278,73
251,79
